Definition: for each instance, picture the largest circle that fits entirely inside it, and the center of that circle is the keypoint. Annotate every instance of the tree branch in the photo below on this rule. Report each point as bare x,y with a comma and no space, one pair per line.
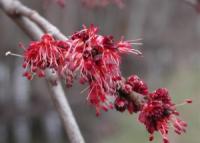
17,8
192,3
34,26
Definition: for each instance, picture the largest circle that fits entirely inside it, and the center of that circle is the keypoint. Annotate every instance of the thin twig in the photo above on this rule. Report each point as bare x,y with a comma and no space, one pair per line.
18,8
32,25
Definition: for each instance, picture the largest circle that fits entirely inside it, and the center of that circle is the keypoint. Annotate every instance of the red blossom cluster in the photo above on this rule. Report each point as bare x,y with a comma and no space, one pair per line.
95,60
43,54
158,112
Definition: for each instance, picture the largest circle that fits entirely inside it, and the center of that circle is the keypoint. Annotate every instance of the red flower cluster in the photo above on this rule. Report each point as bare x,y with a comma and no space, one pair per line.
43,54
95,59
157,112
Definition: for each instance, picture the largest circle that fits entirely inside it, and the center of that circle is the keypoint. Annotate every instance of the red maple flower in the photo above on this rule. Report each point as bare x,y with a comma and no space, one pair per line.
158,112
96,59
137,84
46,53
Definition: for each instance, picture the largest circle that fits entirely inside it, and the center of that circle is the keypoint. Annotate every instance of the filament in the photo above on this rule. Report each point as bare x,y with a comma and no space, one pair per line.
13,54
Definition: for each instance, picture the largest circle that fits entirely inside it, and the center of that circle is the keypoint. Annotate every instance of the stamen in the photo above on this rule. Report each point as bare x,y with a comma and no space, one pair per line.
21,45
139,44
137,52
181,104
138,39
85,89
135,41
187,101
13,54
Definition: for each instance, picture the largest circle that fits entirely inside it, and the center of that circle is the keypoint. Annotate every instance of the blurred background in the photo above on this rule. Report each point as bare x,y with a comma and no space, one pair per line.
170,30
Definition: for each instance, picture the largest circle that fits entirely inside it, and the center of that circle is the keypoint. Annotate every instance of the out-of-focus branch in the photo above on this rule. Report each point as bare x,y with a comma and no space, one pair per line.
192,3
34,26
15,7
